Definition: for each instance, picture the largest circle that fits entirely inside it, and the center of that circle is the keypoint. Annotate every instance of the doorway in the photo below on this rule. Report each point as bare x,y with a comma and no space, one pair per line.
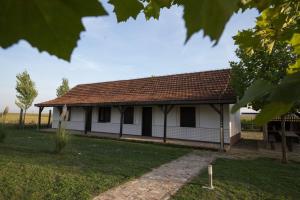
88,119
147,121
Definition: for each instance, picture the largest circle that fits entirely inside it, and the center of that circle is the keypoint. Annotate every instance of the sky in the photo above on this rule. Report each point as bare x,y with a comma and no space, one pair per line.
110,51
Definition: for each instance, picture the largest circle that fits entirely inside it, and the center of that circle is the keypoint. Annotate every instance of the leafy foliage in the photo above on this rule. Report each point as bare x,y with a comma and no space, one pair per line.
4,114
126,10
63,88
278,23
54,25
281,98
207,15
26,92
50,25
152,9
2,128
260,65
61,139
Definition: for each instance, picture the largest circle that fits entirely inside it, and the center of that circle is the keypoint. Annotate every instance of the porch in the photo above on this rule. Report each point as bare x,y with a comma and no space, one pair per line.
206,125
146,139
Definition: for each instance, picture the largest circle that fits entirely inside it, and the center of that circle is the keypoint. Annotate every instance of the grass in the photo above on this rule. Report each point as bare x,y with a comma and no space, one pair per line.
31,118
86,167
262,178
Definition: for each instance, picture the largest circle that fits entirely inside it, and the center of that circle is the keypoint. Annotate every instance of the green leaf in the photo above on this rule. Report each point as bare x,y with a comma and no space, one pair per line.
257,90
247,40
154,6
288,90
259,4
295,42
49,25
283,97
152,10
126,9
294,67
209,15
271,111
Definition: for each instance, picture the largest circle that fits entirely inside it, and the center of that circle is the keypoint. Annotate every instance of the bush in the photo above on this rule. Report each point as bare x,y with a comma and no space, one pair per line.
61,139
2,134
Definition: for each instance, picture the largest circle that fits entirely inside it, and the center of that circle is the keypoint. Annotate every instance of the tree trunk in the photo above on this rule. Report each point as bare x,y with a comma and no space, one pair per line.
21,118
265,135
283,140
24,118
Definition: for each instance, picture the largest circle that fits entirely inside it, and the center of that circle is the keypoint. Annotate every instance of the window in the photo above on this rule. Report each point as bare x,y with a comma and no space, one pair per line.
59,110
104,114
128,115
187,117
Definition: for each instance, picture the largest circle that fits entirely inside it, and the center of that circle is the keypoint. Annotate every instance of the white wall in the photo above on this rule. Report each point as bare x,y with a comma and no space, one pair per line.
107,127
207,123
77,120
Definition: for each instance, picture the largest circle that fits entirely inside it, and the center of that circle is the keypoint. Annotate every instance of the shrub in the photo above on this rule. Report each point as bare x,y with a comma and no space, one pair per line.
61,139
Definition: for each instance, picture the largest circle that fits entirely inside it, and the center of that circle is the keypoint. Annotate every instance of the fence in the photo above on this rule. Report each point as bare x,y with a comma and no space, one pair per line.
250,125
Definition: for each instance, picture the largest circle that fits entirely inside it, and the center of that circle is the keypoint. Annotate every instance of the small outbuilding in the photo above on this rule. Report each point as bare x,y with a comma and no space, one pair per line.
188,107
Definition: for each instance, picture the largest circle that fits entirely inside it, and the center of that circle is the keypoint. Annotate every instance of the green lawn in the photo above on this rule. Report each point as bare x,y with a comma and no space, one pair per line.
87,167
261,178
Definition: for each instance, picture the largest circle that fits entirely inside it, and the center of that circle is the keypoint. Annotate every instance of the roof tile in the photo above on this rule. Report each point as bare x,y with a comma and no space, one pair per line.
209,86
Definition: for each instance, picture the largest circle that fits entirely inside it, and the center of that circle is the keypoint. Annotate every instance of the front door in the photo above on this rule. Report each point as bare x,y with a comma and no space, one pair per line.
88,119
147,121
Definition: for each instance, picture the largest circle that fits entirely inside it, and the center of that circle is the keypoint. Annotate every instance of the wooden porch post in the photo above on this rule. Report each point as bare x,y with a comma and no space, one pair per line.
121,109
49,118
40,116
165,122
221,113
221,127
166,109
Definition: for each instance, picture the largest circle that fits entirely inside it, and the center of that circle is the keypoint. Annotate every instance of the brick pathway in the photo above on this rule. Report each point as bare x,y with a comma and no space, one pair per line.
161,182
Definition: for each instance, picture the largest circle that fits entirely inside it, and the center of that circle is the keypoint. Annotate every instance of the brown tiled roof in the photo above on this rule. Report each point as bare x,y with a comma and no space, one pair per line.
199,87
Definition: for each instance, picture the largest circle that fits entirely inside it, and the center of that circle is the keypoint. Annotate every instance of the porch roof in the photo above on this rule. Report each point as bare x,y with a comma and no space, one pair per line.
189,88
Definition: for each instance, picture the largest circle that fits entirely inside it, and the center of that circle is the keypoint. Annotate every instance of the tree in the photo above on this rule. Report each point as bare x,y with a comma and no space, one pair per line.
61,138
63,88
262,65
26,92
2,129
279,21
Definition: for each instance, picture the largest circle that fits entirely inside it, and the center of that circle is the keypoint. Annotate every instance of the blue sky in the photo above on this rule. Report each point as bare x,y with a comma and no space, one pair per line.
111,51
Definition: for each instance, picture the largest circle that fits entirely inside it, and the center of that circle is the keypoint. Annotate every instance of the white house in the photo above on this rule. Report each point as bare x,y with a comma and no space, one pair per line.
189,107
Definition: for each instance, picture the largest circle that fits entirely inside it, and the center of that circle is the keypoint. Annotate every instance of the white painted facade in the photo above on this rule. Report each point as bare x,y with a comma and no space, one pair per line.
207,123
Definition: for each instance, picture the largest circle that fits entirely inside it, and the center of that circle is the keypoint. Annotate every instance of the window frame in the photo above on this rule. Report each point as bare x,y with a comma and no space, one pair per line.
185,118
106,112
129,115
